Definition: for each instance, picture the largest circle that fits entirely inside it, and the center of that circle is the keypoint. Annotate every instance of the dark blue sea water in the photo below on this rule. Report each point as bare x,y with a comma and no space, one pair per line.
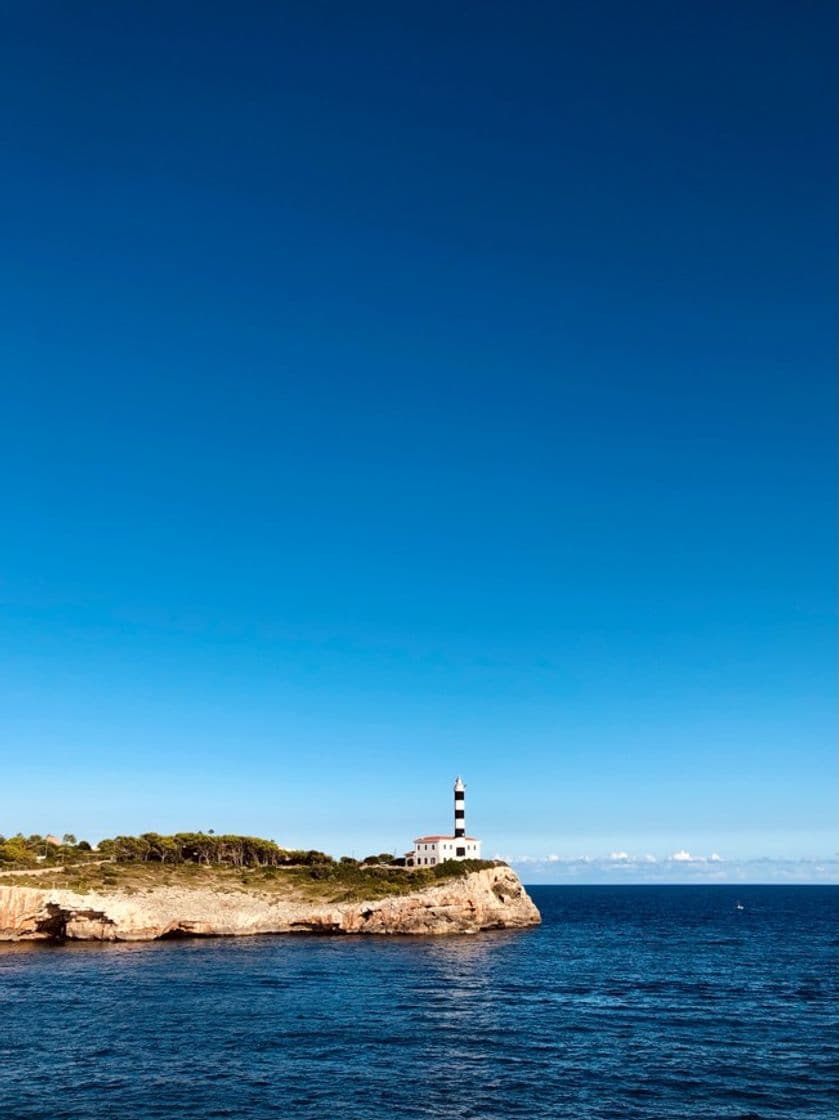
631,1002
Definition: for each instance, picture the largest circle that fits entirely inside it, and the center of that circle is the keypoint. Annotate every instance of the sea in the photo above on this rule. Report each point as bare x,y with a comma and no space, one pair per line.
639,1003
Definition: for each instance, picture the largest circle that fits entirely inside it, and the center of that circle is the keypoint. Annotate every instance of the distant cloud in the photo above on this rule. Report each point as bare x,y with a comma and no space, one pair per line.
683,856
680,867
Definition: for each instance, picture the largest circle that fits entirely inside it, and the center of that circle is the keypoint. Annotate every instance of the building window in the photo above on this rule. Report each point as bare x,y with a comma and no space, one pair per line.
433,860
460,852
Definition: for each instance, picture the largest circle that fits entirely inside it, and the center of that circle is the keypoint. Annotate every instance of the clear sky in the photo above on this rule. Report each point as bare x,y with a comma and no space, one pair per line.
398,390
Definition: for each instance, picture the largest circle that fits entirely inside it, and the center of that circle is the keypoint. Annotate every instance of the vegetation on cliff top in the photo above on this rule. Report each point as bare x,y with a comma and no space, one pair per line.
226,863
334,882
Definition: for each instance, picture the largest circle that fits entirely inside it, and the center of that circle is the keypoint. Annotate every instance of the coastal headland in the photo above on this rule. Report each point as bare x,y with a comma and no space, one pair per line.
149,902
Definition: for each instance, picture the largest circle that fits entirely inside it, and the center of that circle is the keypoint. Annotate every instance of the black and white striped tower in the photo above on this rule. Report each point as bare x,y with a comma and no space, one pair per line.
459,808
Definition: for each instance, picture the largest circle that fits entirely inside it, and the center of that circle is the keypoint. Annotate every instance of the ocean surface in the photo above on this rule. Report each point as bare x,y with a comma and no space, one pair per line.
630,1002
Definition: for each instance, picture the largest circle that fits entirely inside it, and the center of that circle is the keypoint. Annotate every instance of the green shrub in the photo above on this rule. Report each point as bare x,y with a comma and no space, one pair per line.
15,851
458,868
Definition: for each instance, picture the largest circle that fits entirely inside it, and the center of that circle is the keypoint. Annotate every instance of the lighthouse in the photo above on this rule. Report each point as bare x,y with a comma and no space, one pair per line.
459,807
431,850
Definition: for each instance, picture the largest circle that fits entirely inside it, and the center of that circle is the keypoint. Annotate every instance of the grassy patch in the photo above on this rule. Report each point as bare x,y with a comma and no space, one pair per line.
333,882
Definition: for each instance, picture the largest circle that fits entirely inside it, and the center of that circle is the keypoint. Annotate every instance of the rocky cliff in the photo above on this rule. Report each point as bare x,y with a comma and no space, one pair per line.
488,899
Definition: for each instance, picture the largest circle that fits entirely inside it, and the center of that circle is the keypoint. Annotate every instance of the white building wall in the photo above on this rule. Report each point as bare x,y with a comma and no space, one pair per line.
427,853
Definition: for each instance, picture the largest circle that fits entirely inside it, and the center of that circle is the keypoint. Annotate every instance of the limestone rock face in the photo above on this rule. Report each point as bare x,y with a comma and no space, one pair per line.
489,899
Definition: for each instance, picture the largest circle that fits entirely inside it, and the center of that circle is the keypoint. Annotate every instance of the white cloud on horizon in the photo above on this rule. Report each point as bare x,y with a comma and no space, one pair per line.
617,857
622,867
683,856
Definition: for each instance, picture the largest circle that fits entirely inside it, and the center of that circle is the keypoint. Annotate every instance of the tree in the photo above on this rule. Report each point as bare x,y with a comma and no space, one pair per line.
208,849
129,849
15,851
69,839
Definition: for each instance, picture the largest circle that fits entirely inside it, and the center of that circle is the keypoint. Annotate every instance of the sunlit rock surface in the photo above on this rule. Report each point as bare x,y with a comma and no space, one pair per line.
490,899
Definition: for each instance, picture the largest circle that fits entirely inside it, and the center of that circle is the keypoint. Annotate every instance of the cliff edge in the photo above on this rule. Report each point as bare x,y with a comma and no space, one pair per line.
492,898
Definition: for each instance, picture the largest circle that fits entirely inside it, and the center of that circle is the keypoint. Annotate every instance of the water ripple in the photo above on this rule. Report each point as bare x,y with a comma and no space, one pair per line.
632,1003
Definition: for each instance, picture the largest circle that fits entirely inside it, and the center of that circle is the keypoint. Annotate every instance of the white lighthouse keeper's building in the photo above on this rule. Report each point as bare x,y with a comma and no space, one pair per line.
430,850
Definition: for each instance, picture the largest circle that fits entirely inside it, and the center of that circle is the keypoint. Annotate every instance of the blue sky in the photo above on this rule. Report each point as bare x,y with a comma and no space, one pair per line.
391,392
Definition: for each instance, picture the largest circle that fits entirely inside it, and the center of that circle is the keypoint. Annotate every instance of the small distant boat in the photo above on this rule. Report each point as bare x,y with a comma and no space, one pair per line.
739,906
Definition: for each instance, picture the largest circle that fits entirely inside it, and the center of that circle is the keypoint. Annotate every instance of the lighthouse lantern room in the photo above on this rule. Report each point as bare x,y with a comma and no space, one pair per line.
430,850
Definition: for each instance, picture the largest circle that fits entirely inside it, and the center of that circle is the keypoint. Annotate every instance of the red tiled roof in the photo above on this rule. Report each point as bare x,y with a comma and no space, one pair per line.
429,839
